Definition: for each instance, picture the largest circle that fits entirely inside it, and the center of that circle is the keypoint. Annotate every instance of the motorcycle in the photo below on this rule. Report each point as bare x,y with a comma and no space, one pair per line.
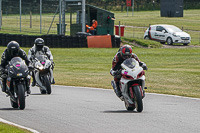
43,73
132,84
17,82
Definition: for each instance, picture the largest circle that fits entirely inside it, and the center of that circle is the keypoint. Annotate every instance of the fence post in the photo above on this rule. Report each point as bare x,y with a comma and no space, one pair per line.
40,16
20,12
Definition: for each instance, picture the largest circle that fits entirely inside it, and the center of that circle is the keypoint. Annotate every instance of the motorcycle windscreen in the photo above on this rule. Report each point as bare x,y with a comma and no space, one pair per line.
41,58
130,63
17,67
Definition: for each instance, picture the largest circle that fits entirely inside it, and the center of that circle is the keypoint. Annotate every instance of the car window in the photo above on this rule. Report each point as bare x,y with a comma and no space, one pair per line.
174,29
160,28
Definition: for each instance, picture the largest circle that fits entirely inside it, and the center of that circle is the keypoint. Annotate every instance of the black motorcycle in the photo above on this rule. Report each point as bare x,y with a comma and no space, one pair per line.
17,82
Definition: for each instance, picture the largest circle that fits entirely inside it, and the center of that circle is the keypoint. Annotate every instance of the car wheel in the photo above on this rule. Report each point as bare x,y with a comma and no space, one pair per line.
185,44
146,38
169,41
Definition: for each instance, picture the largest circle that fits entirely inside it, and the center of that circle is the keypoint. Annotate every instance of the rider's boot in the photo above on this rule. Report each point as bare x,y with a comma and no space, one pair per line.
118,90
4,85
144,92
28,90
33,82
53,82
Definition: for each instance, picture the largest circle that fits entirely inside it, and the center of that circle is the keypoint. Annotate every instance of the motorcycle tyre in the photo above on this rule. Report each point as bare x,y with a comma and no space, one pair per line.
138,99
21,96
47,84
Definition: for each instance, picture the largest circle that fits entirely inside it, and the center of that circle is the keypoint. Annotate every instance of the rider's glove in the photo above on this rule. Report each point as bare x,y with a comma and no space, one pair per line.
141,63
113,73
144,66
52,62
30,67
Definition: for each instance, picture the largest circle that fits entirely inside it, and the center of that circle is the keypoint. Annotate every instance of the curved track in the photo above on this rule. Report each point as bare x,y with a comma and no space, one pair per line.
90,110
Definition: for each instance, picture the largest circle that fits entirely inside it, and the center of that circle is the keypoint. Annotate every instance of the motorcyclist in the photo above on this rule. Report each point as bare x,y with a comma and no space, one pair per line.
38,49
13,50
123,53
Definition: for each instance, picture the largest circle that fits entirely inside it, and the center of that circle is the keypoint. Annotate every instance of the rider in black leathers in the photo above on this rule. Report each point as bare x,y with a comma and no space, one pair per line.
13,50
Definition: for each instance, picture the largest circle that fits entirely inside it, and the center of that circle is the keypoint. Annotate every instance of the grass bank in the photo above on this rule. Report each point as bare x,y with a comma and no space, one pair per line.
171,71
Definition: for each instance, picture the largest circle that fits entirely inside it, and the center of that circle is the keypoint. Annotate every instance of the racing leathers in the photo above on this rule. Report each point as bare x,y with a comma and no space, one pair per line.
116,66
6,58
33,53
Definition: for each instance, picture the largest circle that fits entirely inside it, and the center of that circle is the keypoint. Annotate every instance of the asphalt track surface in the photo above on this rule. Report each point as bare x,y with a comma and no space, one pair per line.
89,110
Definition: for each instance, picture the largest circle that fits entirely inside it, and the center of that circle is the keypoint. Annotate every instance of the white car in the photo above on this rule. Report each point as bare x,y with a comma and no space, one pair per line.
167,33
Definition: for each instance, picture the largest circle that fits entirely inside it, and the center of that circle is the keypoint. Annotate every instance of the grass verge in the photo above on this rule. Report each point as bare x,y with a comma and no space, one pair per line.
6,128
171,71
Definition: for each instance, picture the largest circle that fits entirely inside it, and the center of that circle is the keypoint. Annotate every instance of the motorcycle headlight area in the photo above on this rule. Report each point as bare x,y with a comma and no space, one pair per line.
19,74
40,67
13,74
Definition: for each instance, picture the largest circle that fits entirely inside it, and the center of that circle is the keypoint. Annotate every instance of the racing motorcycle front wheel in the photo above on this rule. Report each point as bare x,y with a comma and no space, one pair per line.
47,84
138,98
21,96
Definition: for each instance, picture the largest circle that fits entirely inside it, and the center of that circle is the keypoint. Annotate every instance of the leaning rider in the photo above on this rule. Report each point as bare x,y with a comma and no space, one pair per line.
39,49
13,50
123,53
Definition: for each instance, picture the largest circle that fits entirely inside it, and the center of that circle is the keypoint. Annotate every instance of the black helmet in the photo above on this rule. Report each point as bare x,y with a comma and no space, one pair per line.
13,48
126,51
39,43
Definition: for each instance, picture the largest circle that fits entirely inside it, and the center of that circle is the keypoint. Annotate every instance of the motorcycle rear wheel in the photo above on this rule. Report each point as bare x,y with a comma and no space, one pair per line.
21,96
137,98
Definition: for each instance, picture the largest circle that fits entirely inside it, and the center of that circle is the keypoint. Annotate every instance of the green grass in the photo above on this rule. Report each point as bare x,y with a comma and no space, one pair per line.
139,22
142,19
171,71
142,42
5,128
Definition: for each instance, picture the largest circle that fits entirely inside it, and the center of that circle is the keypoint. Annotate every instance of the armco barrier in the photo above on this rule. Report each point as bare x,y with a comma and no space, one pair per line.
54,41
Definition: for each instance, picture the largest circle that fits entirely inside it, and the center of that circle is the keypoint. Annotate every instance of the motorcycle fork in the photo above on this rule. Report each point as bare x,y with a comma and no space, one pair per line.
131,90
8,83
21,81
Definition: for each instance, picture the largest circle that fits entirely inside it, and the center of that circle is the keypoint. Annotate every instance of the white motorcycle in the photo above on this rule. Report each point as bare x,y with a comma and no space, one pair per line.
132,84
43,73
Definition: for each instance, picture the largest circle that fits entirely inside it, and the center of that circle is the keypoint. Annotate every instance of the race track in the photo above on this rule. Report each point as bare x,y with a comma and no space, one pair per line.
90,110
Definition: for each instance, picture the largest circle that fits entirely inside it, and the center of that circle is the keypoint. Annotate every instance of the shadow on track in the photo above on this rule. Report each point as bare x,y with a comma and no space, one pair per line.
9,109
36,94
119,111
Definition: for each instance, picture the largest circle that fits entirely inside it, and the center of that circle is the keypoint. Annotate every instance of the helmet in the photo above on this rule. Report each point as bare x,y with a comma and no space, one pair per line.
39,43
13,48
126,51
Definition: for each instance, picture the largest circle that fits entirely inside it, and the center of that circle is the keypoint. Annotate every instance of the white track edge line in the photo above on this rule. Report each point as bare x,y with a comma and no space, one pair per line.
11,123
